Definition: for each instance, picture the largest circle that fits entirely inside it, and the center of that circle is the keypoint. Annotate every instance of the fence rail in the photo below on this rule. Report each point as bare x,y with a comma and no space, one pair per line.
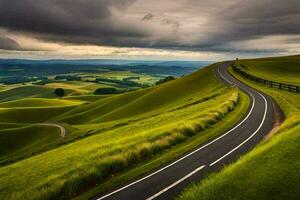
282,86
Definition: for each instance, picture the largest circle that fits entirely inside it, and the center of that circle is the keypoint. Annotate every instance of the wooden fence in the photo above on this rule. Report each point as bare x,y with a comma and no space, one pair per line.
282,86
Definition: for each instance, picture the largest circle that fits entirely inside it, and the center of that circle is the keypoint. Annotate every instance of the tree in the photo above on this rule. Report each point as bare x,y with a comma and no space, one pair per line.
59,92
166,79
106,91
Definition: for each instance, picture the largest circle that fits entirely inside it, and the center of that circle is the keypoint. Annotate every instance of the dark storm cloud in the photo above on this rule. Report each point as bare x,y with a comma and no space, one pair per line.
170,24
253,19
88,20
8,44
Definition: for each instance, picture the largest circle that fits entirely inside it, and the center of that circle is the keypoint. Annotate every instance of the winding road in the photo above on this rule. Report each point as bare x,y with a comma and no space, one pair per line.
167,182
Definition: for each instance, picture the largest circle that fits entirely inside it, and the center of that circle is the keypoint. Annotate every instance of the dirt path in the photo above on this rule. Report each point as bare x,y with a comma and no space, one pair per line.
62,129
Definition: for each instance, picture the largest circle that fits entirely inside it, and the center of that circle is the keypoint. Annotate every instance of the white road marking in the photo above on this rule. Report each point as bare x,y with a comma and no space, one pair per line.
176,183
229,81
188,155
251,136
223,76
61,128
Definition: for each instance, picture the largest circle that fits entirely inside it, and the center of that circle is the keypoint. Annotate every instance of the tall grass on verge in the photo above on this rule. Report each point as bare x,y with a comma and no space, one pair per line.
105,167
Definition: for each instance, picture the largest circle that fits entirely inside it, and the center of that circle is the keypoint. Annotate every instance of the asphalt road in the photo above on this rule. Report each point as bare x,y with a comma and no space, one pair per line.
168,182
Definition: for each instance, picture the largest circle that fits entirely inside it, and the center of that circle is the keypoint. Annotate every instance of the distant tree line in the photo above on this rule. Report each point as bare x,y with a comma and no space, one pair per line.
20,79
123,82
106,91
43,82
131,78
164,80
67,77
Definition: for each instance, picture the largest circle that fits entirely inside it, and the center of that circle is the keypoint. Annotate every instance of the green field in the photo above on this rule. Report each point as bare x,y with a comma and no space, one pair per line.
40,109
19,92
84,87
279,69
271,170
39,102
110,139
21,135
18,142
88,98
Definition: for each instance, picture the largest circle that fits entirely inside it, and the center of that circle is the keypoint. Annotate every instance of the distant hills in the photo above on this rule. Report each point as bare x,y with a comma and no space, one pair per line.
195,64
23,67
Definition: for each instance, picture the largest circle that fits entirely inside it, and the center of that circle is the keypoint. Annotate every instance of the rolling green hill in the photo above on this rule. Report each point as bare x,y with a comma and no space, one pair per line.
28,91
10,125
37,115
39,102
148,101
20,135
279,69
271,170
34,110
25,91
89,98
123,136
18,142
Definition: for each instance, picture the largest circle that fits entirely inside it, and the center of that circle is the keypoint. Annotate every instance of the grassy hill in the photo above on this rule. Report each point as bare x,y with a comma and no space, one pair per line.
279,69
18,142
25,91
34,110
88,98
10,125
39,102
21,136
124,136
148,101
76,87
271,170
29,91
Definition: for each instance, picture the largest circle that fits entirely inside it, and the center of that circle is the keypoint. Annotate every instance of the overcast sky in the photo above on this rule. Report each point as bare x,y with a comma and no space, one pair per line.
149,29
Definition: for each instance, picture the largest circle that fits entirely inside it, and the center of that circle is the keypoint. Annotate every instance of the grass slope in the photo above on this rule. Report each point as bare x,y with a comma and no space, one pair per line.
271,170
34,110
148,101
128,129
18,142
39,102
77,87
280,69
31,115
25,91
32,91
89,98
10,125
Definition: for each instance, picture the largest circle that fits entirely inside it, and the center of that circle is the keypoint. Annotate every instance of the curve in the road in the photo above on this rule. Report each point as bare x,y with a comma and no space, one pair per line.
61,128
168,181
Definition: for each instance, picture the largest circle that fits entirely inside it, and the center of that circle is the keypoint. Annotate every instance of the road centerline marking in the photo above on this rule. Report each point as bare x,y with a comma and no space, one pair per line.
176,183
251,136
